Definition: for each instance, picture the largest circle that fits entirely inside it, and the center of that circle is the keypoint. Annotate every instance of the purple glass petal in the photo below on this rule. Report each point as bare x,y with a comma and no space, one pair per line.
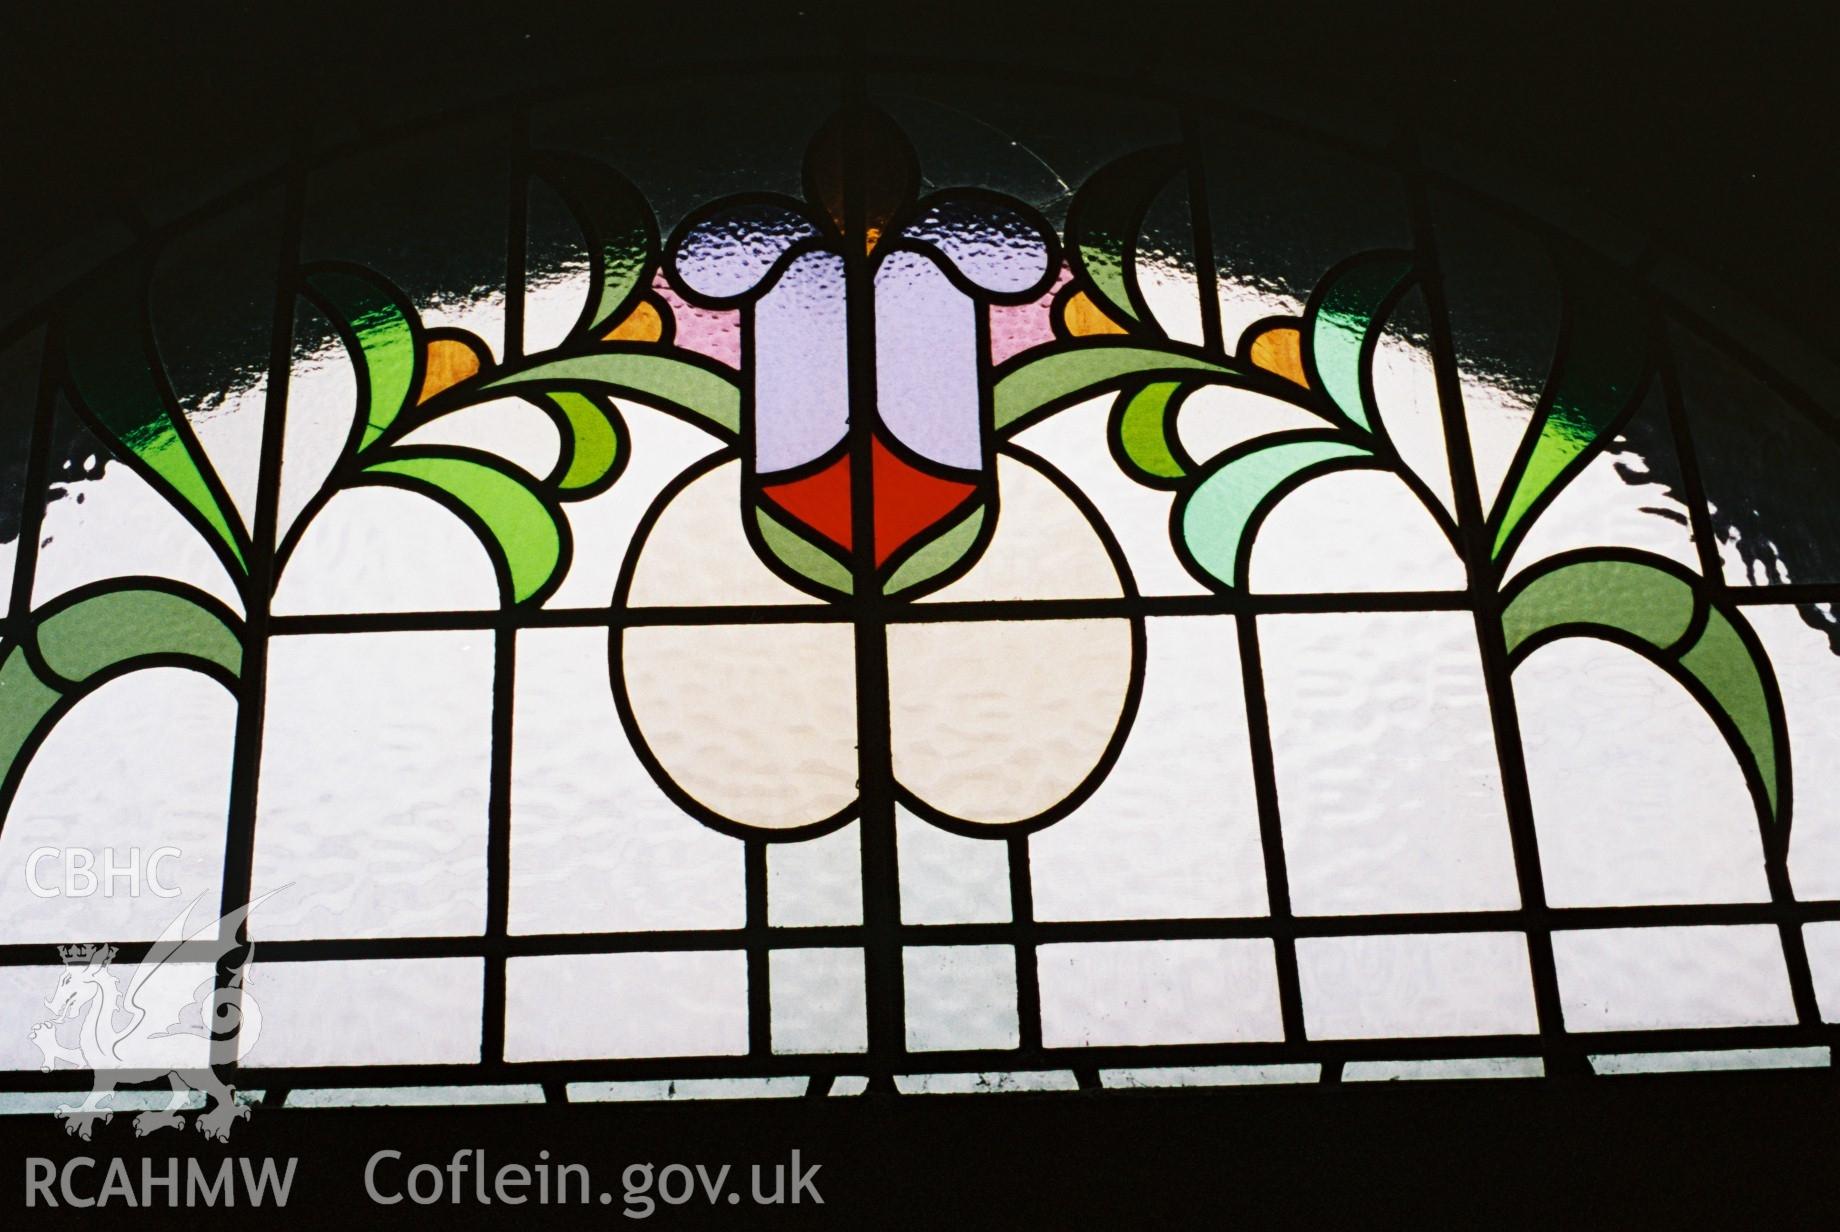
801,364
992,245
727,256
926,361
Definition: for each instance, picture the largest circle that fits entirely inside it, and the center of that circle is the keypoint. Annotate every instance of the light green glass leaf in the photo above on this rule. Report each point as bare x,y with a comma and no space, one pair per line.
1588,395
1217,514
378,328
26,703
595,439
1085,370
124,395
939,555
1342,316
666,379
1144,424
1655,605
617,224
1103,222
802,557
525,534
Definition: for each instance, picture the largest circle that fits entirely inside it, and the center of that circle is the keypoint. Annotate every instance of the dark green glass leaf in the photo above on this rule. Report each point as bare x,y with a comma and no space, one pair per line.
122,392
1103,224
1591,390
378,326
621,234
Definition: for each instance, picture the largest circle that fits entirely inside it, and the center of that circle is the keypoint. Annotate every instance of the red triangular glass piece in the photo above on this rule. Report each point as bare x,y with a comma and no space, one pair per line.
908,501
820,501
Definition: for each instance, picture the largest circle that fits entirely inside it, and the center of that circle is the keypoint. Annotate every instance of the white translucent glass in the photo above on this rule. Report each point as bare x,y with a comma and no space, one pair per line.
1636,796
23,992
1074,442
1357,530
1822,941
1807,668
662,447
960,996
481,1095
947,878
1173,831
375,774
383,549
1630,979
1615,501
595,845
987,1083
1388,786
665,1090
1416,984
103,521
1210,1075
698,555
1406,398
1214,418
816,880
819,1002
509,428
322,402
567,1006
135,778
1498,412
1158,992
228,427
1711,1062
1454,1067
404,1011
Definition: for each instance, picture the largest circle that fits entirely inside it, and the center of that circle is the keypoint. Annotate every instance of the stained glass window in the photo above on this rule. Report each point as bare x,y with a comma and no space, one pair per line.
925,590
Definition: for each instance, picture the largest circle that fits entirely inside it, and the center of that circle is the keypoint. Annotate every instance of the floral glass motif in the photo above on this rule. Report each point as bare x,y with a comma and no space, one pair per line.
874,618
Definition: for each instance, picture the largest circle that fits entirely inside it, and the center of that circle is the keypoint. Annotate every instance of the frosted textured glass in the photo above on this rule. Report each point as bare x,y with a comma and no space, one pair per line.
819,1002
1354,530
1454,1067
1807,664
376,549
698,555
1173,831
1822,941
375,767
960,996
596,846
22,1007
568,1006
1627,979
390,1012
1388,786
1158,992
1416,984
816,880
1636,796
947,878
141,764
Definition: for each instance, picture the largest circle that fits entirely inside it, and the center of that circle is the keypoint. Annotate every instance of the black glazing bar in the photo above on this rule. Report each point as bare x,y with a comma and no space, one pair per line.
1271,832
252,686
1022,928
504,650
1485,596
1045,932
881,878
1699,511
1201,226
38,479
759,973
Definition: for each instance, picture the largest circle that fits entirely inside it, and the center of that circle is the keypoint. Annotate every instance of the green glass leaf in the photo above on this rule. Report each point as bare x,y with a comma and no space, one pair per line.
379,329
1144,427
595,435
1218,517
1342,316
118,626
1653,603
621,234
523,533
711,396
803,557
1103,222
125,625
1078,372
121,390
1591,391
936,557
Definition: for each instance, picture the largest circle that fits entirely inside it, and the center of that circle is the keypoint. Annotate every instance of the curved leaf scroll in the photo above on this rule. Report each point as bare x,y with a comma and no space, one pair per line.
1217,519
1655,608
621,234
1102,226
88,637
379,329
